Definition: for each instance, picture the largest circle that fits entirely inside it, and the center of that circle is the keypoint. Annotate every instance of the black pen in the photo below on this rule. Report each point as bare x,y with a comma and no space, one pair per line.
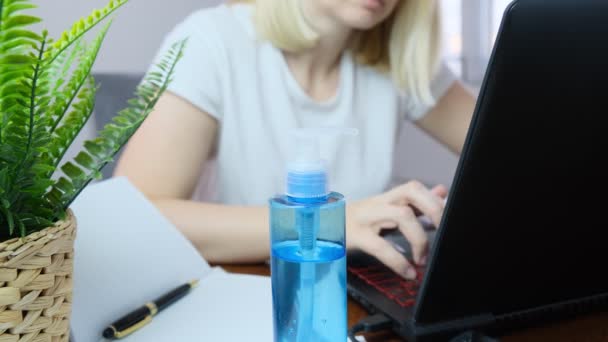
142,316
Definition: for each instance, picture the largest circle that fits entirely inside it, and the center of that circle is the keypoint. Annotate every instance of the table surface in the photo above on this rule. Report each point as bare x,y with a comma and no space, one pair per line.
583,329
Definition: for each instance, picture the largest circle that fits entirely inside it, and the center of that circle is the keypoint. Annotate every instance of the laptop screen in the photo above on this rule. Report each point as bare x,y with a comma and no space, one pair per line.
525,224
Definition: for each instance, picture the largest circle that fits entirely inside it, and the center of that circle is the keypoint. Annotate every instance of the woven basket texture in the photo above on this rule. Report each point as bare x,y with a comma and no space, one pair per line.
36,284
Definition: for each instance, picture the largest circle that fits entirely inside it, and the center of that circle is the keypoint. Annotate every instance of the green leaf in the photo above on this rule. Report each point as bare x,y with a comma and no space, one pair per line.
17,44
93,147
64,186
21,20
71,170
13,8
13,89
42,168
22,229
85,160
19,33
8,216
17,59
12,76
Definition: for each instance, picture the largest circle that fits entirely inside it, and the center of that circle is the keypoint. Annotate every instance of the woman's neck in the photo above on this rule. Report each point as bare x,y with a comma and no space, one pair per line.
317,69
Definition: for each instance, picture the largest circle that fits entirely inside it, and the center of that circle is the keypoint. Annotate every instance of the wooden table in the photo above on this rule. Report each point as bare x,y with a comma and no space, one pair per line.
584,329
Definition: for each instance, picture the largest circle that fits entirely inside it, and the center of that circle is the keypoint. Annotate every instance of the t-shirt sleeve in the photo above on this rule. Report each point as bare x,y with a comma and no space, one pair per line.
441,83
197,74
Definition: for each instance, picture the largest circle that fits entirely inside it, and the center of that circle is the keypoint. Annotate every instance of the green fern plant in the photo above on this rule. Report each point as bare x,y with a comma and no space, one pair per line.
47,94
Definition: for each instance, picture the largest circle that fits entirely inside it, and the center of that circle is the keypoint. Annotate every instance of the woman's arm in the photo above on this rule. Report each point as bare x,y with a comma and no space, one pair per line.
222,233
448,121
164,160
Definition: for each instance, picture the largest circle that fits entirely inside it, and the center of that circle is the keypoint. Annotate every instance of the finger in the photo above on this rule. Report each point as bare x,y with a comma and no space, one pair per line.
413,232
386,224
440,191
417,195
382,212
385,253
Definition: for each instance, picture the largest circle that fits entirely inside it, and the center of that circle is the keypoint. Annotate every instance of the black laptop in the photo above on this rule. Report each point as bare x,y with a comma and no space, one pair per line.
523,239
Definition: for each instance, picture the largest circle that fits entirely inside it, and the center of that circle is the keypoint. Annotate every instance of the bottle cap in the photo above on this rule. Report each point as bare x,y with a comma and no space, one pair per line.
307,172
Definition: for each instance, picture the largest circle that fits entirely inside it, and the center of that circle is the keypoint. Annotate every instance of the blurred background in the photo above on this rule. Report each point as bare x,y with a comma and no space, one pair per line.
470,28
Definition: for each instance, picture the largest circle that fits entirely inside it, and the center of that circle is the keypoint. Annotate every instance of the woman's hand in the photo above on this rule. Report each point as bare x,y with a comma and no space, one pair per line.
397,208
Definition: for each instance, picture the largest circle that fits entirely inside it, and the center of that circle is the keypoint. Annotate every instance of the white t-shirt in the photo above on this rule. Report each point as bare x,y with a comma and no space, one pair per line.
245,83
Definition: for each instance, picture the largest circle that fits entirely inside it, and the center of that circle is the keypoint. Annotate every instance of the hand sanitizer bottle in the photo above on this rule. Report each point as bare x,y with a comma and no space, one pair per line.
308,250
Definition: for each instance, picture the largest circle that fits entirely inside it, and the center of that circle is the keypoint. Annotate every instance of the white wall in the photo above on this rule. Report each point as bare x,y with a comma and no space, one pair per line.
138,30
136,33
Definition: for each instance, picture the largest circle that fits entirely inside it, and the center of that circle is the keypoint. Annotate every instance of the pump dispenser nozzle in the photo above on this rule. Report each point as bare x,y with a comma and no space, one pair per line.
307,172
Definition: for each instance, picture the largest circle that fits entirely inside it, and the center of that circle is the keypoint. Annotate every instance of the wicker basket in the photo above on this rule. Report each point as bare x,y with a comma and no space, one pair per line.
36,284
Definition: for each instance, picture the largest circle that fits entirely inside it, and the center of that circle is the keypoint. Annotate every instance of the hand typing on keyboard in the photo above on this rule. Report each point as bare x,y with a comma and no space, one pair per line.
396,209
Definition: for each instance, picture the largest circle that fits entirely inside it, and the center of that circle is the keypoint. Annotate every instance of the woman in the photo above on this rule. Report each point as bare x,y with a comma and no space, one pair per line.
254,71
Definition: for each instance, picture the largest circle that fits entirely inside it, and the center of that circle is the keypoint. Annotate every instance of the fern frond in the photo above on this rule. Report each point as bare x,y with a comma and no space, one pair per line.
24,121
113,136
25,143
17,44
69,37
65,97
33,85
65,134
46,97
60,68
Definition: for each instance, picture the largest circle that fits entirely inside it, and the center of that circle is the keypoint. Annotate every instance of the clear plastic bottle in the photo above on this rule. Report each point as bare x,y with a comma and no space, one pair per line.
308,250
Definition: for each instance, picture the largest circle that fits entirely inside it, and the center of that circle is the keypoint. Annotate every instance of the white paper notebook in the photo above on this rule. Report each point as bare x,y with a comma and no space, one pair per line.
127,254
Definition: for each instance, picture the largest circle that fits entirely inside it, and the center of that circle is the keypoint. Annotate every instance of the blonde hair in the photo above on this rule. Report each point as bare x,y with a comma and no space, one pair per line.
406,45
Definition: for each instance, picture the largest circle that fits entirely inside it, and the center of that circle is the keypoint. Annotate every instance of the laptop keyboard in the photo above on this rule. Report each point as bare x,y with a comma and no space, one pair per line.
398,289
